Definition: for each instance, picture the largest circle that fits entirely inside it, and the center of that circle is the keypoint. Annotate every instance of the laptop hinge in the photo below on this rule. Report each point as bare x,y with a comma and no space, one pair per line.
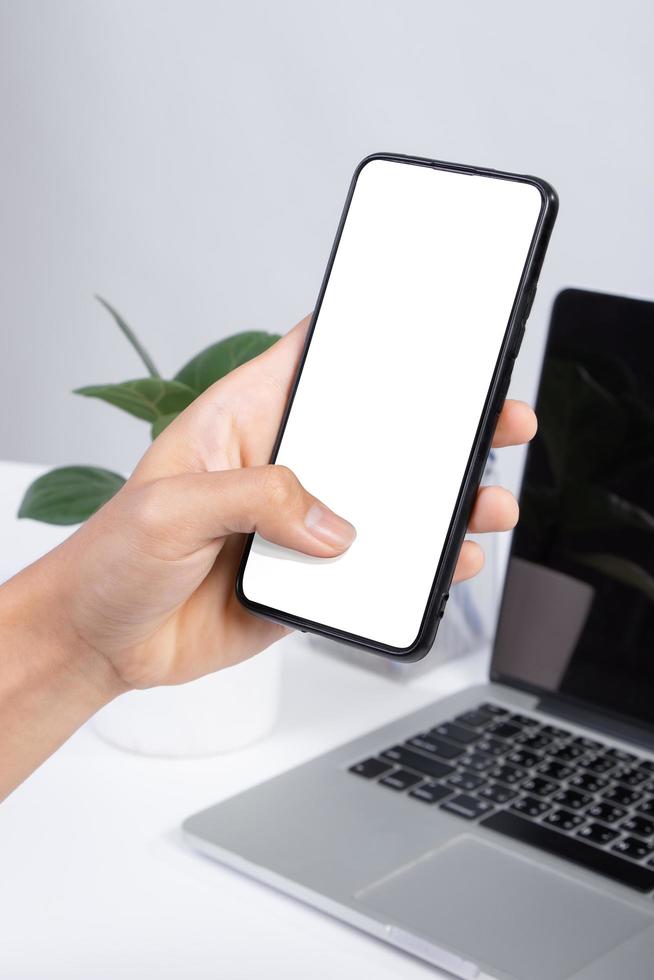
604,724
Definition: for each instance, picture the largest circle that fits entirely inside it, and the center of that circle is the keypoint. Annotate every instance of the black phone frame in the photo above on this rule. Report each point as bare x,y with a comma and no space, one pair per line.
439,592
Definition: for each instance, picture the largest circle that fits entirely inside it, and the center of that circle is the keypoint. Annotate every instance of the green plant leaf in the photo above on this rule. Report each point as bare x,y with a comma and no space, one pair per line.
221,358
146,398
127,332
621,569
69,495
162,422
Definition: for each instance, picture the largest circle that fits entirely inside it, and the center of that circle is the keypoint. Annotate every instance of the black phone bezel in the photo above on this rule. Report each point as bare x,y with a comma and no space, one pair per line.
498,387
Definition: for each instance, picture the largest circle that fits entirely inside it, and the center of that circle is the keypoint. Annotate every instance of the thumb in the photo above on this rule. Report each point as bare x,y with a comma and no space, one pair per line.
192,509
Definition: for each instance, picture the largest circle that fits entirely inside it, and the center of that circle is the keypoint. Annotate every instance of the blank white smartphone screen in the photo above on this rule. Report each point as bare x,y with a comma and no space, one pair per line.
393,387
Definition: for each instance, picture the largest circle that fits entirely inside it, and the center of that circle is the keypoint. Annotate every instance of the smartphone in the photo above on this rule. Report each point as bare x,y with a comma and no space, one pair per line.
407,362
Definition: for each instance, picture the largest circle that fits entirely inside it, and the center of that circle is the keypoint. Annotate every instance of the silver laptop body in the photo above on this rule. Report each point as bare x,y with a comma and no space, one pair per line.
463,897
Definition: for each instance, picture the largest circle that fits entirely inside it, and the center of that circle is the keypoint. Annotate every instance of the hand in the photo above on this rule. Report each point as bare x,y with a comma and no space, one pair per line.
143,593
149,580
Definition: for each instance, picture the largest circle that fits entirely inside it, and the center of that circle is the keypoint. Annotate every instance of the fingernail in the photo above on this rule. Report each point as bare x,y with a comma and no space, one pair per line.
325,525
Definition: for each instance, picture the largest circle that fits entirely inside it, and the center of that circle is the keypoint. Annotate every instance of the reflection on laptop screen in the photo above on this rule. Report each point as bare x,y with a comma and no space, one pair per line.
578,609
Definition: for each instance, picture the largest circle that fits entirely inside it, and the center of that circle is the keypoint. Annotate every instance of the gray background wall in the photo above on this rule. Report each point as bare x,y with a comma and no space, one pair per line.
189,160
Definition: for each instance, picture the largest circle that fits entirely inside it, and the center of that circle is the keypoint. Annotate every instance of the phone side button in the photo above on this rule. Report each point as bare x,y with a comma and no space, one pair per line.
530,302
517,343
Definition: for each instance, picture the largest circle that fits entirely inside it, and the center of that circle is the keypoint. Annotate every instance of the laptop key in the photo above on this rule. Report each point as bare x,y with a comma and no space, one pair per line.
456,732
478,718
621,795
490,745
524,721
588,744
588,782
468,807
477,761
436,745
494,709
646,806
497,793
567,753
564,819
554,770
429,792
421,763
640,826
371,768
647,765
538,786
554,732
629,775
507,774
633,848
400,779
573,849
465,780
621,756
532,740
598,764
502,729
606,812
572,799
530,806
597,833
522,757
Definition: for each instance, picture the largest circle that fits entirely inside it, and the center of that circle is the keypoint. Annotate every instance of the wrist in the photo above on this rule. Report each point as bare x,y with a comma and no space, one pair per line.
50,682
36,611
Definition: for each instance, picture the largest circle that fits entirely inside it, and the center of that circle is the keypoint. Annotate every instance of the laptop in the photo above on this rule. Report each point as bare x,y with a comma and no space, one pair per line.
508,830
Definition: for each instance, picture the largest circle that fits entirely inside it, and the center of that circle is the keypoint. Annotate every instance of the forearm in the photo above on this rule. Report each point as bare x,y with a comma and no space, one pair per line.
50,682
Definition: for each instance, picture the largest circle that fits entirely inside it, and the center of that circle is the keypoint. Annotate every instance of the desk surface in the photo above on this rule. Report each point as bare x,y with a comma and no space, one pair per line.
96,881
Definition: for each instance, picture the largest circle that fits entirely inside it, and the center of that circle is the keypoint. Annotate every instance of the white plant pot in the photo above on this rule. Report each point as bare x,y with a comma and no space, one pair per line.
223,711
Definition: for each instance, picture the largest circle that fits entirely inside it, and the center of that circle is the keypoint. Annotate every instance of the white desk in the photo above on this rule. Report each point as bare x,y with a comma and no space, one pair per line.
95,880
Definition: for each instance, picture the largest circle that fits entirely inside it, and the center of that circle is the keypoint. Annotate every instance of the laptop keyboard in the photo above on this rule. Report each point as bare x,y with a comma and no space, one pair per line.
570,796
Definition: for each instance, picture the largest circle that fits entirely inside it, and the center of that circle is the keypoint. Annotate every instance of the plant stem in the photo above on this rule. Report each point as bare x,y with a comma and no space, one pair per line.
132,338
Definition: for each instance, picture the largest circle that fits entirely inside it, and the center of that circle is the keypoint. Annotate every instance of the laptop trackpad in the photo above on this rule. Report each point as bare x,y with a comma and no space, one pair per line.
503,910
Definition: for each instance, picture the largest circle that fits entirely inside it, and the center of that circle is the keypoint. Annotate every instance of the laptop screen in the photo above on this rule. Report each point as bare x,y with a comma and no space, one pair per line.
577,615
